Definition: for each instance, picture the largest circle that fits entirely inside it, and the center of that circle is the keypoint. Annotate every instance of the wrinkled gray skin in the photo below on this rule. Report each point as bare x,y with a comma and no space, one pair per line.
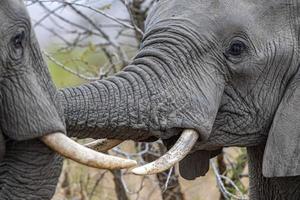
228,69
28,169
225,68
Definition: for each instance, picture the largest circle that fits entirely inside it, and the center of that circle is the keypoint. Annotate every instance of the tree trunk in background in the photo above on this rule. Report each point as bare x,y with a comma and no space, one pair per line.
139,17
173,192
119,187
65,185
222,169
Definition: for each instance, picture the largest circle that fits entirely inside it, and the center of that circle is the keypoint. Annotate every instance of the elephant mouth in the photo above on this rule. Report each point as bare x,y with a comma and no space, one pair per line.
178,152
90,154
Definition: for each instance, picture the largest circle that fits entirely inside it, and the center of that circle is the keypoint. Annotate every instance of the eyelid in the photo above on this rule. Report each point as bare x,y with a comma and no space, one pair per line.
236,38
15,28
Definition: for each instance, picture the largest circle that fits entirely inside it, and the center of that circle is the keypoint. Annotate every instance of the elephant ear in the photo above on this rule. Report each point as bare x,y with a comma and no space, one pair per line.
282,152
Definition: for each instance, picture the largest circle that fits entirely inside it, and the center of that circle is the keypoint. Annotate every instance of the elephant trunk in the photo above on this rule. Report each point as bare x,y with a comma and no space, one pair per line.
118,107
171,85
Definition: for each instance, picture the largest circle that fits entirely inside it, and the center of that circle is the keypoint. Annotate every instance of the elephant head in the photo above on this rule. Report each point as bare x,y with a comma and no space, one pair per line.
30,115
226,69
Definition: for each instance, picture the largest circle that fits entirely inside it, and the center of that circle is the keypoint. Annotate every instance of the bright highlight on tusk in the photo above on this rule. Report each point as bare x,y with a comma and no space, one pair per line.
103,145
76,152
181,148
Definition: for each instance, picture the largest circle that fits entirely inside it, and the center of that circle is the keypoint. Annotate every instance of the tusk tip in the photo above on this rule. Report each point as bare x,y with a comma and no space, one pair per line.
130,163
139,171
180,149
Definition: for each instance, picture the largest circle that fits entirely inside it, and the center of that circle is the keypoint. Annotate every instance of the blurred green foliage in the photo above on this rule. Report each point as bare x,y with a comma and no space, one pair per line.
235,171
86,61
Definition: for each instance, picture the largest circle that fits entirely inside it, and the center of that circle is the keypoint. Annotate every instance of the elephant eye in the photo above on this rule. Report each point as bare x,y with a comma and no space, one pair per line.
17,40
17,44
236,48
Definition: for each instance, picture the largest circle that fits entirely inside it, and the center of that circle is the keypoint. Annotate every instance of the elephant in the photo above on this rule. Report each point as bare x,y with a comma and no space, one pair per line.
208,74
32,126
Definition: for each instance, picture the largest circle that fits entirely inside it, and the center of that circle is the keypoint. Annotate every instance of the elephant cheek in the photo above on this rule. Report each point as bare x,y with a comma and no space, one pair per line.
28,109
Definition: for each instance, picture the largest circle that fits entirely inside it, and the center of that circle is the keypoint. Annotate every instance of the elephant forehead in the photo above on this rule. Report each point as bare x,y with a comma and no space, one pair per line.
241,11
203,14
12,13
224,6
12,9
258,17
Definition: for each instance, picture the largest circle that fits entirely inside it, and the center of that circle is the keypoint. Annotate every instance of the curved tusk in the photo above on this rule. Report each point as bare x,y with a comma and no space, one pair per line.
181,148
103,145
70,149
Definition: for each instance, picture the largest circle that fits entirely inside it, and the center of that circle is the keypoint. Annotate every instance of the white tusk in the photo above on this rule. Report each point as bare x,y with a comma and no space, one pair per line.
103,145
181,148
74,151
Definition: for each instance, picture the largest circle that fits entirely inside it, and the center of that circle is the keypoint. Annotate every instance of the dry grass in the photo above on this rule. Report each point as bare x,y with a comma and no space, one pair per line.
203,188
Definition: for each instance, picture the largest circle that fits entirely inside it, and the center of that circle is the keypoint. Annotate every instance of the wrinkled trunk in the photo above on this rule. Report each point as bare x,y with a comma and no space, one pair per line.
167,87
134,104
110,108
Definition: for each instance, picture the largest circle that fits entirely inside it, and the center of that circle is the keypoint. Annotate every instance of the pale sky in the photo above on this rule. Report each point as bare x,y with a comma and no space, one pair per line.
36,12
